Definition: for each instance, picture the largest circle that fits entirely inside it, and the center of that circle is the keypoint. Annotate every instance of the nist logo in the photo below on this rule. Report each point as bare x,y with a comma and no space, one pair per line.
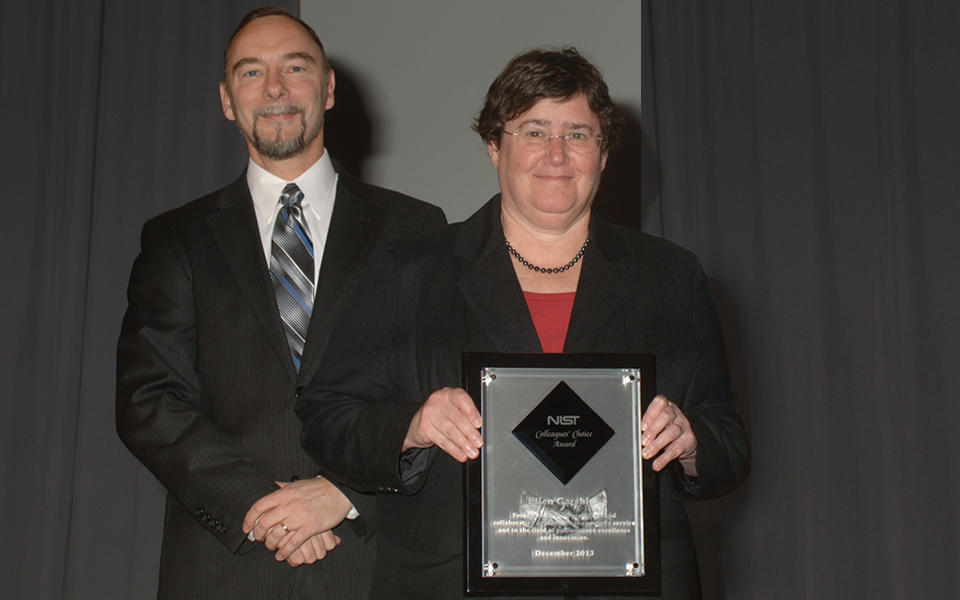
562,419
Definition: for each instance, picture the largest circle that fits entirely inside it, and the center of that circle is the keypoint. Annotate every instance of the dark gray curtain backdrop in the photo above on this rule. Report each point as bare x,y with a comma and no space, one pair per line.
808,155
110,115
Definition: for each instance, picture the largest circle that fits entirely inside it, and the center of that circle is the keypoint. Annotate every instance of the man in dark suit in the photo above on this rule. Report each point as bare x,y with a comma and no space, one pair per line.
231,302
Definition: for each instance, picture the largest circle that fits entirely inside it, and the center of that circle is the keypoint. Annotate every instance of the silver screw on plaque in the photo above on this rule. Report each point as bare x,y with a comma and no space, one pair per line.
490,569
488,376
629,377
633,570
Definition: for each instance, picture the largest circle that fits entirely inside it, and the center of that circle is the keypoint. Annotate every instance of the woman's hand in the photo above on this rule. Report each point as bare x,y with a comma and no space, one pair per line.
448,420
667,432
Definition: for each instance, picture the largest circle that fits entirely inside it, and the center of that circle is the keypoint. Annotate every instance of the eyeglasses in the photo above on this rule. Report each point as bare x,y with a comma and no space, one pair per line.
532,136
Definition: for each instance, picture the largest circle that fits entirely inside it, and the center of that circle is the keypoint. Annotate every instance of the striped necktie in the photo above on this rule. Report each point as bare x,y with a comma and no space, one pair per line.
291,269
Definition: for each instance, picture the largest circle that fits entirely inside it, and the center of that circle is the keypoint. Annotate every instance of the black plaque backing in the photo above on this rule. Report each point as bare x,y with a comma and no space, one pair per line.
559,454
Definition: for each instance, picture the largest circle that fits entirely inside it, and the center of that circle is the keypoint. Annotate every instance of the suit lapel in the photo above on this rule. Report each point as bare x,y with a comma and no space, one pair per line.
490,287
348,245
234,228
492,292
598,317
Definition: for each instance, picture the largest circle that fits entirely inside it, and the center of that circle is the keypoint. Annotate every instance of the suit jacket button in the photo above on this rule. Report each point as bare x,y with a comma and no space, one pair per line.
299,390
198,512
221,528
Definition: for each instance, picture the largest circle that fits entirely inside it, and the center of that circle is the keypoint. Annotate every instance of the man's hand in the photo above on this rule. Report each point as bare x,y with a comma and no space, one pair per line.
298,511
314,549
666,431
448,420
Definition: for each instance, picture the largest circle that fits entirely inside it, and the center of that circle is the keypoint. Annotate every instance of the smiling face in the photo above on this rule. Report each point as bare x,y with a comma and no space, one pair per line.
276,88
551,187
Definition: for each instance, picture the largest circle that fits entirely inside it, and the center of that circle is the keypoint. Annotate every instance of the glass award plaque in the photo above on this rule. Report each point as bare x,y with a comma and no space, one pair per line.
559,500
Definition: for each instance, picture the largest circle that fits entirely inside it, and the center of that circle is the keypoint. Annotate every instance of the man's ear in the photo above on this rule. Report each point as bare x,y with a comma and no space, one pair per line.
225,103
331,85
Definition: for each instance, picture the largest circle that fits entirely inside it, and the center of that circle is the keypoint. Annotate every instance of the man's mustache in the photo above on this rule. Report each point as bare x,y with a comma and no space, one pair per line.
280,109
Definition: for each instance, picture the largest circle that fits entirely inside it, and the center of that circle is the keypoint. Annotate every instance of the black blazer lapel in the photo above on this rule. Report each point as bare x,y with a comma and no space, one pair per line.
349,243
602,304
235,230
492,292
490,287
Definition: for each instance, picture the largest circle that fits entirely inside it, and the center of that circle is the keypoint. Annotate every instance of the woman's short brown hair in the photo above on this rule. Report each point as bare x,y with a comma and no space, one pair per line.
555,73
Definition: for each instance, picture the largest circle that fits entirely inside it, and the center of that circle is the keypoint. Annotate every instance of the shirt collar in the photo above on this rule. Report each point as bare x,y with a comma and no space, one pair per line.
318,184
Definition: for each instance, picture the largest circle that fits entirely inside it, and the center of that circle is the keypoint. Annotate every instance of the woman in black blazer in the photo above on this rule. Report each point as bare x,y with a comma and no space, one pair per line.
532,271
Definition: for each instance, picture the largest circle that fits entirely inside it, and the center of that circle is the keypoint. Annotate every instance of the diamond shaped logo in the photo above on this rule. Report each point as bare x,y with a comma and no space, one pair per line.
563,432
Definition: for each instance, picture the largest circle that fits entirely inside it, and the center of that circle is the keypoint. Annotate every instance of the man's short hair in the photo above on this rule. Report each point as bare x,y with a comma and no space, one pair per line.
554,73
269,11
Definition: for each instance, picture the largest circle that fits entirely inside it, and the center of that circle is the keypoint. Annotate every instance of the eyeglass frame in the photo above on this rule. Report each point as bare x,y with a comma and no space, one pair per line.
565,137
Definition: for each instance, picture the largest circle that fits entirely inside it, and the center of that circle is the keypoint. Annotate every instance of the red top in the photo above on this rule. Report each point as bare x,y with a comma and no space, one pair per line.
551,317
